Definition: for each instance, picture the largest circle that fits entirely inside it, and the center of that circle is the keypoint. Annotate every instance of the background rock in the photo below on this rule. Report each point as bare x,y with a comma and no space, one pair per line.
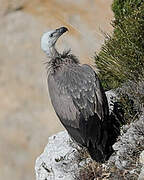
26,115
24,105
7,6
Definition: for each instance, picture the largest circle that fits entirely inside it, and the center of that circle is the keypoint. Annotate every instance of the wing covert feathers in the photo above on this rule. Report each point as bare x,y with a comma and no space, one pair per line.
76,90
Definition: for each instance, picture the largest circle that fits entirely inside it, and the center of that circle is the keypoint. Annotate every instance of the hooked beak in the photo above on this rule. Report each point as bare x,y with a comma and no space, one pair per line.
61,30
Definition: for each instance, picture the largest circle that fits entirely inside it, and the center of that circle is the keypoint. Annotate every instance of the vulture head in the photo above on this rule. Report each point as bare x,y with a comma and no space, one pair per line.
49,39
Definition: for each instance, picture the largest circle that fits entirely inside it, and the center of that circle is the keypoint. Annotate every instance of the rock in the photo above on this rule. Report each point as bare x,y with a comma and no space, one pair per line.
10,5
142,158
141,176
111,97
60,159
128,147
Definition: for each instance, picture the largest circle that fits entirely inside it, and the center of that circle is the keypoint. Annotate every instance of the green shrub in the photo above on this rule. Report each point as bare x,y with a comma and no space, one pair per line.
122,56
123,8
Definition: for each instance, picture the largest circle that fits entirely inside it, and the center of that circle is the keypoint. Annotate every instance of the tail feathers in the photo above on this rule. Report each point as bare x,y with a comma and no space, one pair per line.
99,154
110,130
96,155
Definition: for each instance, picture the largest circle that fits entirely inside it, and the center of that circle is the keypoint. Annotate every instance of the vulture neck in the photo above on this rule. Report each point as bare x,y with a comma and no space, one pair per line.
57,60
52,52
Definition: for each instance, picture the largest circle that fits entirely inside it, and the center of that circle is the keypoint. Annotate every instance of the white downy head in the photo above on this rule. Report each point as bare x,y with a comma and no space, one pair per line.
49,39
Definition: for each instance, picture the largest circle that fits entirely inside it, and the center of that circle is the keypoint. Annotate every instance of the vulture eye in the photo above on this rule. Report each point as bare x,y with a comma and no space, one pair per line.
51,35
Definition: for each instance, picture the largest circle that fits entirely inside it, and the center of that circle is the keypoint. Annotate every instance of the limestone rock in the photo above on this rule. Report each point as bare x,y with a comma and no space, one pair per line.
7,6
127,150
60,159
111,97
141,176
142,158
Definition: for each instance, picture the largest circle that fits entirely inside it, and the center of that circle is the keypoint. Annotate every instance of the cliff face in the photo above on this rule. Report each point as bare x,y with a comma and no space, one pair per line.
85,20
26,115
